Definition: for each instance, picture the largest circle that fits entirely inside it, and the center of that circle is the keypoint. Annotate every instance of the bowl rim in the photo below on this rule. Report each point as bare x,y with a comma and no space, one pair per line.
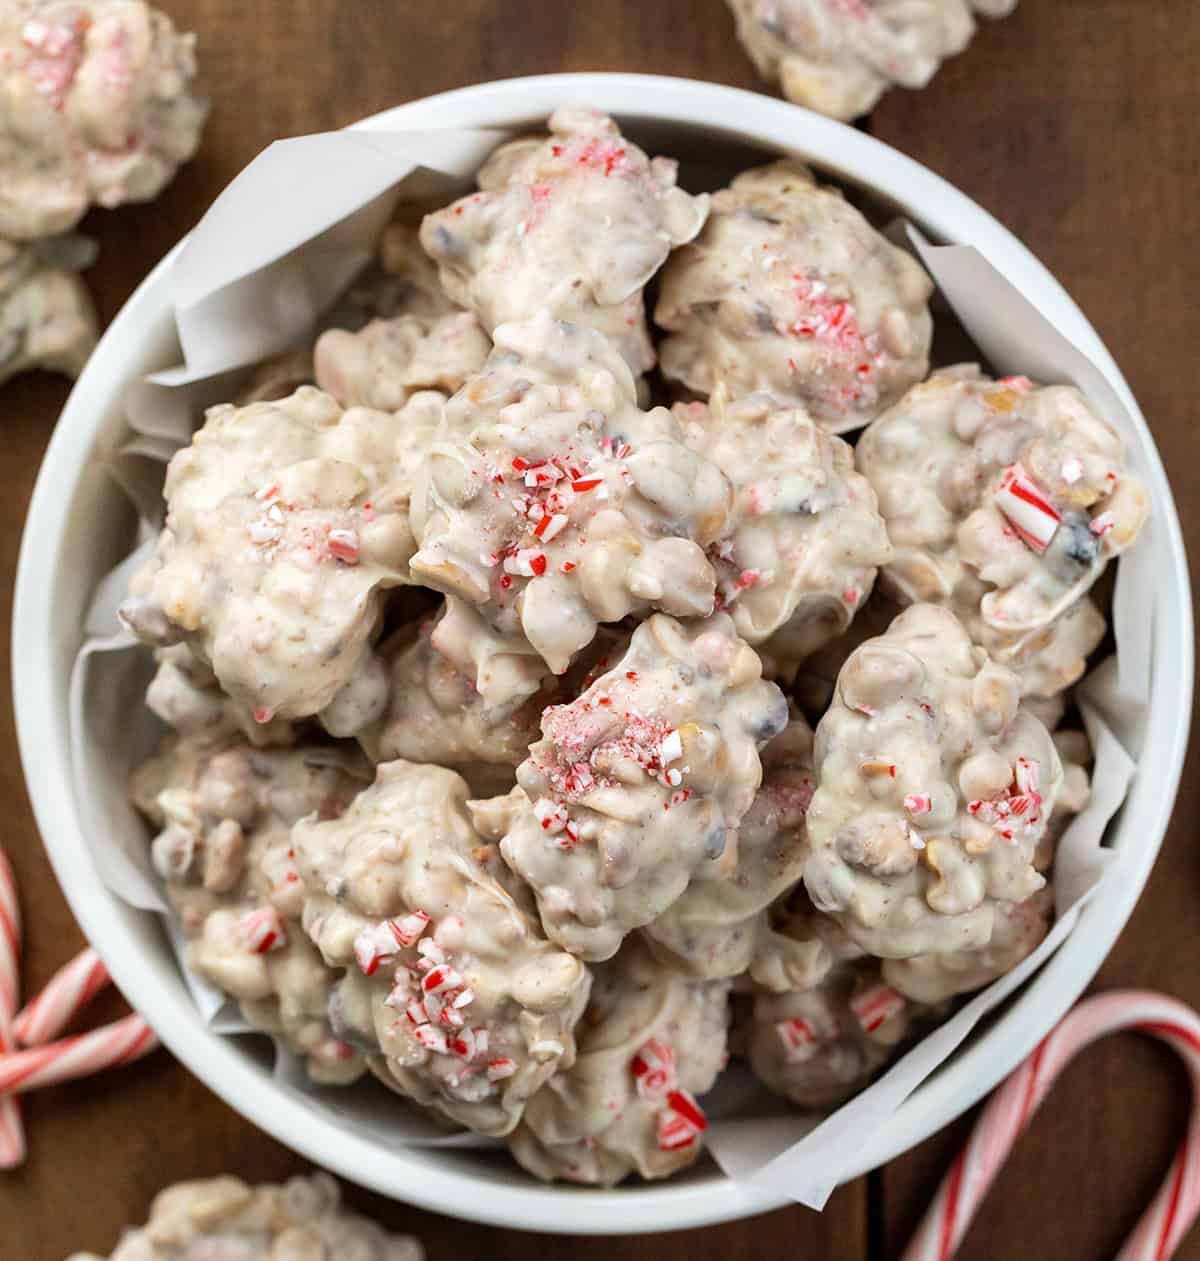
410,1174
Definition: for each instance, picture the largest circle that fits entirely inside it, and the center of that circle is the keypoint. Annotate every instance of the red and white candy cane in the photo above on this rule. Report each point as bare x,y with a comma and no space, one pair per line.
110,1046
1169,1217
12,1130
67,992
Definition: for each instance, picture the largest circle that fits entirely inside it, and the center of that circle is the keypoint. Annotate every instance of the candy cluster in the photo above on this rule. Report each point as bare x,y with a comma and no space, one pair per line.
841,56
98,107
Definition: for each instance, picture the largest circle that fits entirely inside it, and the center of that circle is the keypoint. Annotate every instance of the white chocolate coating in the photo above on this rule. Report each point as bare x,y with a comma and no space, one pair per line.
935,788
496,1002
225,813
435,714
382,365
185,694
574,224
1017,930
47,319
285,524
805,538
549,438
719,923
1019,927
223,1219
97,107
638,786
939,460
789,291
598,1121
839,56
814,1048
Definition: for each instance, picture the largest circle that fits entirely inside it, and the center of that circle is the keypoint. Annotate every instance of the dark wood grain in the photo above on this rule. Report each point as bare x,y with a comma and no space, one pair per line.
1075,123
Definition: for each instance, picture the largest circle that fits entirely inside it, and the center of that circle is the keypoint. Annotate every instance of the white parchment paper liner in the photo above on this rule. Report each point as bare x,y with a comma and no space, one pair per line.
274,251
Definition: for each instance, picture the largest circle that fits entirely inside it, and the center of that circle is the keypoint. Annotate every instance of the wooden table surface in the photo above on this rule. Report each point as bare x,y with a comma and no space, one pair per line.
1074,122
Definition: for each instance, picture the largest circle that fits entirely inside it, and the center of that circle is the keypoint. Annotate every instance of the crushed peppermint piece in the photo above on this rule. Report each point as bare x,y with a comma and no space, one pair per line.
500,1068
400,995
799,1039
527,563
263,531
408,929
430,1038
263,929
1031,515
875,1006
443,977
653,1068
681,1122
374,945
343,546
1102,523
918,804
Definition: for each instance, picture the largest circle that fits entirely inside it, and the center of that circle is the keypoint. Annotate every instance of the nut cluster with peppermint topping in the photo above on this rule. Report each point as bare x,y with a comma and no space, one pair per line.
458,999
805,538
223,1219
98,107
574,225
1004,501
286,522
840,56
650,1041
551,502
789,291
638,786
935,787
224,811
821,1045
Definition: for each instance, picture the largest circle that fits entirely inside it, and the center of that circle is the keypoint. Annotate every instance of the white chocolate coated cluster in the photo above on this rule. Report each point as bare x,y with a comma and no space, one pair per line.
637,787
818,1046
223,1219
97,106
224,813
185,694
436,714
459,1001
1019,927
840,56
934,790
789,291
719,924
285,523
552,503
805,538
1004,501
573,224
649,1042
46,315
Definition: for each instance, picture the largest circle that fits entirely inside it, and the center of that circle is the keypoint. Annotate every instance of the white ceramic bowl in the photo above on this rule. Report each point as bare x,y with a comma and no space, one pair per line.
77,528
